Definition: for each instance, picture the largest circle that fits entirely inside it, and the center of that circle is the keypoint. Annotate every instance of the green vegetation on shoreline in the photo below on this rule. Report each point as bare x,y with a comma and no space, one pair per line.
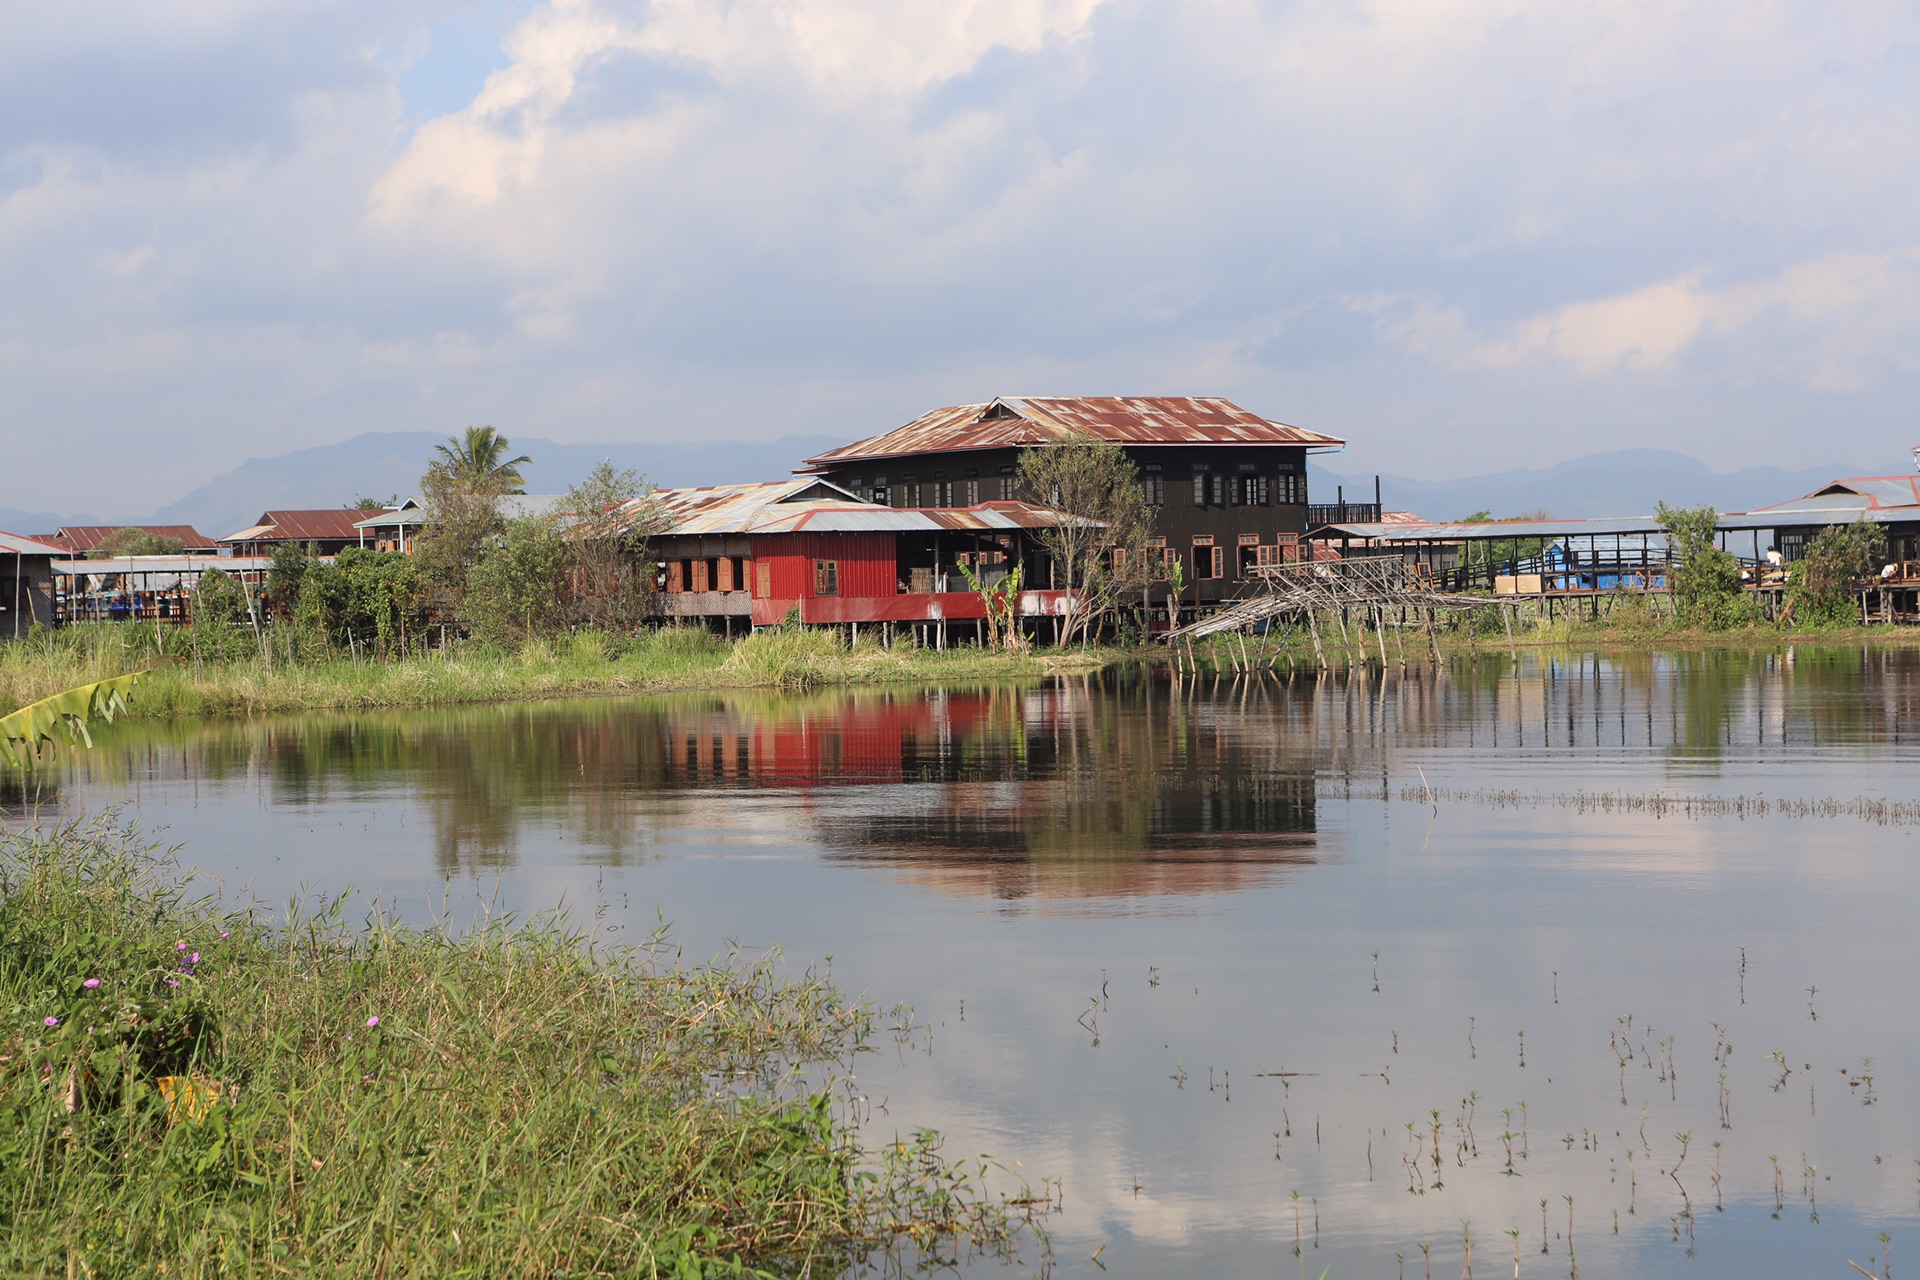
659,661
192,1090
676,659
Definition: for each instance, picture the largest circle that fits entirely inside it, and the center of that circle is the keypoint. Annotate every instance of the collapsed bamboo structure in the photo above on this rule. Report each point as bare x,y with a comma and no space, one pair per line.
1370,586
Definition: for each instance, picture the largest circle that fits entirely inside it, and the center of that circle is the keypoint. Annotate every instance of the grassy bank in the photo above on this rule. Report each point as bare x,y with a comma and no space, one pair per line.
189,1090
658,661
1484,634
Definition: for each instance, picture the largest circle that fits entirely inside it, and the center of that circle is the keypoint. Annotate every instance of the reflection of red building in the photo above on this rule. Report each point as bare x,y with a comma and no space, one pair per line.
1007,792
762,553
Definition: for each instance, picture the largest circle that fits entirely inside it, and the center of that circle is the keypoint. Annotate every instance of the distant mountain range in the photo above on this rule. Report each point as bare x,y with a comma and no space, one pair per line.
389,464
1626,483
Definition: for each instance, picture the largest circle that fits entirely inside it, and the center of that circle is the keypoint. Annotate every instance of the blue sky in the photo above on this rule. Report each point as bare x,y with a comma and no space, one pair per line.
1462,235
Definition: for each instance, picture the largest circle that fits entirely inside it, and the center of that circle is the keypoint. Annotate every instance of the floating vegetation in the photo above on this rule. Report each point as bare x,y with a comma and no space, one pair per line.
1659,804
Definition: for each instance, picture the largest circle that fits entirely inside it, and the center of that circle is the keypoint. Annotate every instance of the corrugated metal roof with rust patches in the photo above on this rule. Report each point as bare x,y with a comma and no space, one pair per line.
1856,493
731,508
327,524
82,538
864,517
18,544
813,505
1013,421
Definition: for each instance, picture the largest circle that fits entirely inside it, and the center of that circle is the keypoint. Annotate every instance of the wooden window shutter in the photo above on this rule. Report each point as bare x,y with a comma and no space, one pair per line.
1219,561
763,574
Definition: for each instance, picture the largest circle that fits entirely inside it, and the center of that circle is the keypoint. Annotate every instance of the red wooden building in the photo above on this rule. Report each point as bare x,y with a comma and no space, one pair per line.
757,554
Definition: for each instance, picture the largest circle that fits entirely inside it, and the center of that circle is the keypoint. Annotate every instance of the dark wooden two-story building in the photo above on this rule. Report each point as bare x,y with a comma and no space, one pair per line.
1228,488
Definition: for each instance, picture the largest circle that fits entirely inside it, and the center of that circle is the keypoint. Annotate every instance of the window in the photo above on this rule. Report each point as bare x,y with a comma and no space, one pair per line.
1200,486
973,488
1219,491
1209,562
1153,486
763,579
1250,491
676,575
826,577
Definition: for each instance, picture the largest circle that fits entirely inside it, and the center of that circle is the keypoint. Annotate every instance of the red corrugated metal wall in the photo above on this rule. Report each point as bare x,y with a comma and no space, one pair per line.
868,566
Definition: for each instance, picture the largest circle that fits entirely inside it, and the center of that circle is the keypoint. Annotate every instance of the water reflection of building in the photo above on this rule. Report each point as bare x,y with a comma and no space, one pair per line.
1017,792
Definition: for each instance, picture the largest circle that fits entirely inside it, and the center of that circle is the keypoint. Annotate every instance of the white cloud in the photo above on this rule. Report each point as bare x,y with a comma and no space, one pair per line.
779,216
1833,324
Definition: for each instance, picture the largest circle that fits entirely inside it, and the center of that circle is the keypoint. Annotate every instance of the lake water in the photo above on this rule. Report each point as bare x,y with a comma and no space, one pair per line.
1272,976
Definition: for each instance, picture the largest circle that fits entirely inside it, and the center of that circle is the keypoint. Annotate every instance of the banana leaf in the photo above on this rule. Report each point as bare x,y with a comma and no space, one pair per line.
22,732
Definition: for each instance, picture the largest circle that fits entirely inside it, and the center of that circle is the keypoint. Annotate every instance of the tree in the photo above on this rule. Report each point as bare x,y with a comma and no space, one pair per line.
1704,579
610,516
1826,576
369,601
480,458
518,590
1099,549
289,566
133,541
462,517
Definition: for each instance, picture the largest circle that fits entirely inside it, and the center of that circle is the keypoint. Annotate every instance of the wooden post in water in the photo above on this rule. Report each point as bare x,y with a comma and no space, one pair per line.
1433,641
1506,616
1313,627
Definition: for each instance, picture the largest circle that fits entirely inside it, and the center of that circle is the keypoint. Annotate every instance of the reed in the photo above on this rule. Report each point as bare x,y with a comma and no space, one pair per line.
663,660
191,1089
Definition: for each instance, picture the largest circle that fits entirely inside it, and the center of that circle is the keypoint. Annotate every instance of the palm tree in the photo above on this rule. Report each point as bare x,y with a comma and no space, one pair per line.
480,459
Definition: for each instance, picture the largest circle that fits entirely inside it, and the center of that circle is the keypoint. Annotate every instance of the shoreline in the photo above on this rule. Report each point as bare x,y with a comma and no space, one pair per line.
683,662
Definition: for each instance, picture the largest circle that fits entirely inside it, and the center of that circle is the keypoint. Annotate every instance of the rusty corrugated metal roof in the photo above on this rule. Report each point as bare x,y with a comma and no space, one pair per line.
1011,421
18,544
1867,493
731,508
301,526
864,517
82,538
790,506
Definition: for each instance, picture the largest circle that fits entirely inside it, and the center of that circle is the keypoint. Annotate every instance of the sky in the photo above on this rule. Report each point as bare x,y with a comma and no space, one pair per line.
1463,235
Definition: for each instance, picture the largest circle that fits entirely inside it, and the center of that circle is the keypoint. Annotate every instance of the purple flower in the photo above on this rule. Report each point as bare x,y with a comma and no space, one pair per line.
91,983
224,936
374,1021
179,946
53,1022
194,959
173,982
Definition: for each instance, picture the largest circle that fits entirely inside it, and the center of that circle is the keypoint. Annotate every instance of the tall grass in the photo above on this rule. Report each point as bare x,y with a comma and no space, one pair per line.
187,1089
660,660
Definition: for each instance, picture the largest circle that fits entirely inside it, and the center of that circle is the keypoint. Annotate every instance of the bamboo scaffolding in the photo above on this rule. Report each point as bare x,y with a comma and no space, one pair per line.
1311,587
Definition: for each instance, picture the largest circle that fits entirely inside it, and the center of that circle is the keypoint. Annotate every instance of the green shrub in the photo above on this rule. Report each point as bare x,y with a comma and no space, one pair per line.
517,591
371,602
1704,578
1826,577
189,1090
